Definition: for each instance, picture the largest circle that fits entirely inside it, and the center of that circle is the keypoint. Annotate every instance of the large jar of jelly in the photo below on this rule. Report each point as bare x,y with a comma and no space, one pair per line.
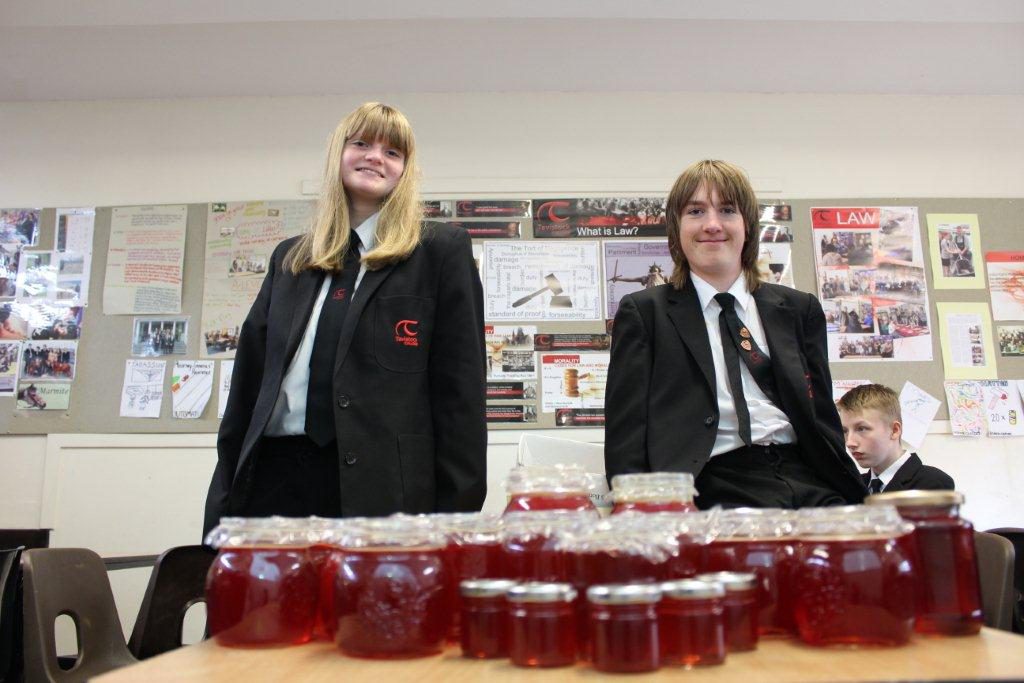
653,492
262,587
485,624
391,590
739,608
691,623
543,624
324,537
529,544
761,541
534,488
948,591
856,581
624,627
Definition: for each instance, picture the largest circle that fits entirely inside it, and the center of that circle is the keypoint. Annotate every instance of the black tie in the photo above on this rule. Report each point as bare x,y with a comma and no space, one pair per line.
732,365
757,361
875,486
319,394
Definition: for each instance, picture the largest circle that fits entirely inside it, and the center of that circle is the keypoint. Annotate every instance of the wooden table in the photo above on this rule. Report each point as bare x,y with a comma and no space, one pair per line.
992,655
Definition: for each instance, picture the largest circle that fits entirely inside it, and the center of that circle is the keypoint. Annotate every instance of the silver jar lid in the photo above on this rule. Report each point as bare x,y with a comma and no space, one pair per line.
692,589
731,581
485,588
538,591
624,594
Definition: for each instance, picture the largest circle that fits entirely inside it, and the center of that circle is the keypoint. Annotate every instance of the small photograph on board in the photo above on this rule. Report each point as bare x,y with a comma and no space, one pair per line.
48,361
37,276
865,348
1011,340
10,255
43,396
160,336
247,263
20,225
8,367
775,212
773,232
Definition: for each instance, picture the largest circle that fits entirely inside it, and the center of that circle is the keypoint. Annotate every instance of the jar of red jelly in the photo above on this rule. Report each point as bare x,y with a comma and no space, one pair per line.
761,541
855,576
653,492
692,534
391,590
484,633
691,623
534,488
543,624
262,587
529,547
472,551
624,627
948,590
324,536
739,608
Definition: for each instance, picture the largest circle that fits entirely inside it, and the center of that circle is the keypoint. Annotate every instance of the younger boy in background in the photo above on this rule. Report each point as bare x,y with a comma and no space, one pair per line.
873,428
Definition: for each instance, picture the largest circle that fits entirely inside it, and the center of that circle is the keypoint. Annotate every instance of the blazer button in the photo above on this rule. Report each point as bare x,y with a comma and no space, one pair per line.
350,458
709,420
343,401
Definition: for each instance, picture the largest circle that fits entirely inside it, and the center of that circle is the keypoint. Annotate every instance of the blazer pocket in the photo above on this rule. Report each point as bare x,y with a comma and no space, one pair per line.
402,329
416,456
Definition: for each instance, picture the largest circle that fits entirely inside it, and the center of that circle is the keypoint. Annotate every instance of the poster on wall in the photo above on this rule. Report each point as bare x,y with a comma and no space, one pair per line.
871,282
145,260
227,368
191,387
74,229
510,352
573,380
240,238
33,396
965,330
492,230
142,393
954,241
966,407
631,266
532,280
498,413
775,263
1002,406
591,217
918,409
1006,284
492,208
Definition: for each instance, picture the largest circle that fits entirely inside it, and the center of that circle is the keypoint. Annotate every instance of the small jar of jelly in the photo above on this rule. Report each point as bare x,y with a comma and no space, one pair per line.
948,590
534,488
391,590
262,587
653,492
624,627
691,623
485,621
529,548
543,624
761,541
855,577
739,608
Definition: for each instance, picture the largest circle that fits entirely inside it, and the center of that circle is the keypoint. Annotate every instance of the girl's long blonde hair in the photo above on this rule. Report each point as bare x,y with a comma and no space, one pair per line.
324,246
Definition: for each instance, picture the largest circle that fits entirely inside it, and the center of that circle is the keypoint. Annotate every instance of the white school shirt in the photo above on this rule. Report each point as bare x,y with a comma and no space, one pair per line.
768,424
289,415
890,471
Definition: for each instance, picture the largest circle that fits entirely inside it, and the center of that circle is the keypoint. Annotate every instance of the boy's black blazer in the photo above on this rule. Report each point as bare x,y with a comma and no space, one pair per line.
914,474
409,382
661,409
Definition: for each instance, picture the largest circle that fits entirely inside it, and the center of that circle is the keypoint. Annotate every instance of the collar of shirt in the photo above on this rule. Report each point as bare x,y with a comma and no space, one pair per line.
706,293
367,231
890,471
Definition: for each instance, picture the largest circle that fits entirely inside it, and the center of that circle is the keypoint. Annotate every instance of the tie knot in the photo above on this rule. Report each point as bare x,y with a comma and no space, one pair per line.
875,486
725,300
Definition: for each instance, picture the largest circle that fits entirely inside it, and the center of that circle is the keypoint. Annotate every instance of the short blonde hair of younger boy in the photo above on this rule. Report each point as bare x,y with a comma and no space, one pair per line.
872,397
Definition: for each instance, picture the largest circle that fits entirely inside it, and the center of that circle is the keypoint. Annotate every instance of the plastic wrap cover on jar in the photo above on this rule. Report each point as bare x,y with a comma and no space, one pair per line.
856,580
942,544
392,590
528,543
262,587
548,487
654,492
762,541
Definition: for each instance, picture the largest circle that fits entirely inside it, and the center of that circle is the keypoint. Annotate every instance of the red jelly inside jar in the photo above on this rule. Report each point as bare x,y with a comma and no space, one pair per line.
540,488
624,627
739,608
485,618
653,492
691,624
542,624
773,561
261,596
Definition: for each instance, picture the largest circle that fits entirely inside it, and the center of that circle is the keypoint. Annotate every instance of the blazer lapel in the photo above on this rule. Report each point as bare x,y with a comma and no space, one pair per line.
372,279
779,323
307,285
685,313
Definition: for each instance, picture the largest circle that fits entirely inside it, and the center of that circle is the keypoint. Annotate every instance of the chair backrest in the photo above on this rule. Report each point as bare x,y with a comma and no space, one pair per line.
10,614
71,581
178,581
1016,537
995,572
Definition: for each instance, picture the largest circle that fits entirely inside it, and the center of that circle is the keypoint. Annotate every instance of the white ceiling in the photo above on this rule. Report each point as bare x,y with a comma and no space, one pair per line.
111,49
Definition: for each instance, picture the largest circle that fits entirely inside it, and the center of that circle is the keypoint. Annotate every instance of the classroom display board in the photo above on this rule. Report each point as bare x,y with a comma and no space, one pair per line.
908,291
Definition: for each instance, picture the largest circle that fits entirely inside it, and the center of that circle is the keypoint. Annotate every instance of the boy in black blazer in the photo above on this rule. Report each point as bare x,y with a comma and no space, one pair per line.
873,426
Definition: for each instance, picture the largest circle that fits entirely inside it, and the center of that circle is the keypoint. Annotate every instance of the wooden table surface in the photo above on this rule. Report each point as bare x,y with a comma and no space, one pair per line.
991,655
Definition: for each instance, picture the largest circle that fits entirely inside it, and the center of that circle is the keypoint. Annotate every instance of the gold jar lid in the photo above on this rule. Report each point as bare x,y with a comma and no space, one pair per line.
916,498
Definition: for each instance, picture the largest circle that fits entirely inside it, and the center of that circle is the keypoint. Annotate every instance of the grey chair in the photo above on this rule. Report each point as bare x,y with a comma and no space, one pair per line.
71,581
1016,536
10,614
995,572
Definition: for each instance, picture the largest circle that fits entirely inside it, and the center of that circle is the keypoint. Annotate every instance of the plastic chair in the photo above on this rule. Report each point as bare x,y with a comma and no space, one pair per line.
71,581
995,572
10,612
178,581
548,450
1016,537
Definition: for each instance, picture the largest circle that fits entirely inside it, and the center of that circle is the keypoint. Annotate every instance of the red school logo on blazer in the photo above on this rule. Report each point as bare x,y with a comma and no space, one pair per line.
406,332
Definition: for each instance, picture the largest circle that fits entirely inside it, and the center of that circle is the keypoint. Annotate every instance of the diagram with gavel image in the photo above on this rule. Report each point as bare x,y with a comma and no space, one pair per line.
551,284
